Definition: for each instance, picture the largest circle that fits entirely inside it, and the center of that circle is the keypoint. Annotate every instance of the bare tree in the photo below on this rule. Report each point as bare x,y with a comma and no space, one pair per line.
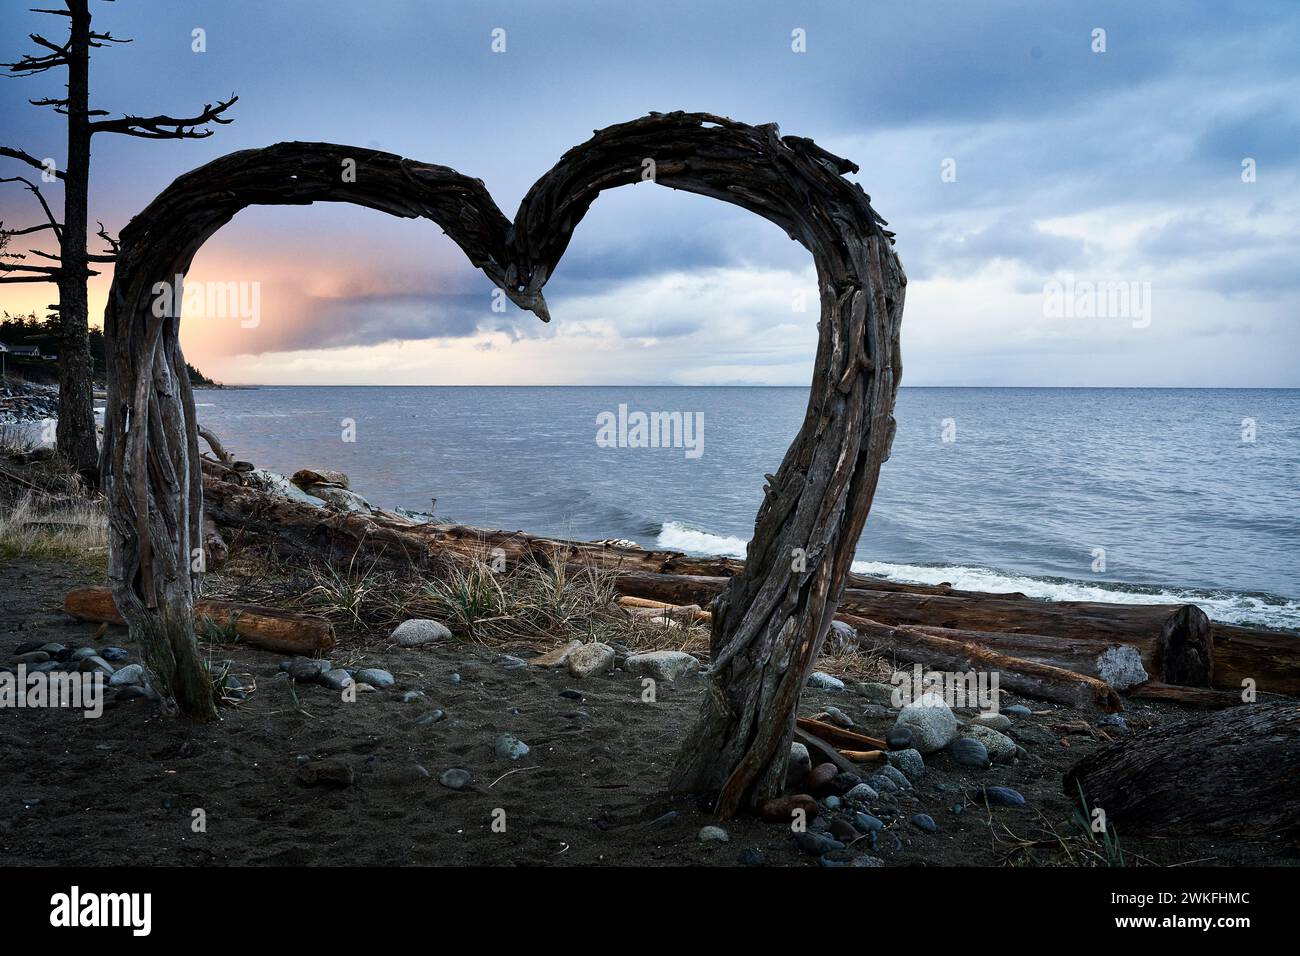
69,267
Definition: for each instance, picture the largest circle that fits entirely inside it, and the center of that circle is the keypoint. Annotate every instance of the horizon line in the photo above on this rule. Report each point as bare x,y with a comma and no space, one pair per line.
1190,388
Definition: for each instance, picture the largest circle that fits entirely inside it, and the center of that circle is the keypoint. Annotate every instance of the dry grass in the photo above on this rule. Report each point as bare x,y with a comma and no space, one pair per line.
533,604
47,526
15,440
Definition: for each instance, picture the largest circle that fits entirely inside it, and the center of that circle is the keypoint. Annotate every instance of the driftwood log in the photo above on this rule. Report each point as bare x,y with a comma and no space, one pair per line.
1235,772
941,649
770,620
272,629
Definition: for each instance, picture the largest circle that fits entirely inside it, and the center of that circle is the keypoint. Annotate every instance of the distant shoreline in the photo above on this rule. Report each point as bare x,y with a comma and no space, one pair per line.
1021,388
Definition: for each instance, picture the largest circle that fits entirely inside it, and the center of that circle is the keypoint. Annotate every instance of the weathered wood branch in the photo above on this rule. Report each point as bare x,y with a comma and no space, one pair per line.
286,632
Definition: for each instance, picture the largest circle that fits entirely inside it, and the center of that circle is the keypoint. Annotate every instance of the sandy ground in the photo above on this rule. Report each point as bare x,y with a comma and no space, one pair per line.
122,789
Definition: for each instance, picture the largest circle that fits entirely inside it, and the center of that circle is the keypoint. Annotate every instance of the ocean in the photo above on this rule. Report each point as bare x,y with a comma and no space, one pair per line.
1141,495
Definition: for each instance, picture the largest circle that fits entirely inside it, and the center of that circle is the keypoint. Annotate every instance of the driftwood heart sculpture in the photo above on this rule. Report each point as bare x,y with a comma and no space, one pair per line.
769,623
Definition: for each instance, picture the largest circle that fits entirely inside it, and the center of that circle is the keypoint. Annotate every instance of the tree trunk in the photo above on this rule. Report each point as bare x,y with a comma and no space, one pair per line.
75,436
1234,772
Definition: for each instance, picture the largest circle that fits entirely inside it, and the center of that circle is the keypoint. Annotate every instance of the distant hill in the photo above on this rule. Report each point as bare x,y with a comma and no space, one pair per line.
28,330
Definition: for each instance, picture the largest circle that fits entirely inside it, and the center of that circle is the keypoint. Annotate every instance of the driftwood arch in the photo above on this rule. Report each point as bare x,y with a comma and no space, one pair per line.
770,621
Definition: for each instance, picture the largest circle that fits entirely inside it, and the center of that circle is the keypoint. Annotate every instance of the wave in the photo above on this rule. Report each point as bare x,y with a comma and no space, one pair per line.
1229,607
679,536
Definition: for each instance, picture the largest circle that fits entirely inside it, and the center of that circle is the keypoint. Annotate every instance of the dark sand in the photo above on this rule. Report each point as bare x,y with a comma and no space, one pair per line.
120,789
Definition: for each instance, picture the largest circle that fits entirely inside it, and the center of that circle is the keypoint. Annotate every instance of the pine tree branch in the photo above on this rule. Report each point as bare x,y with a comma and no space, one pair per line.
26,157
168,127
36,191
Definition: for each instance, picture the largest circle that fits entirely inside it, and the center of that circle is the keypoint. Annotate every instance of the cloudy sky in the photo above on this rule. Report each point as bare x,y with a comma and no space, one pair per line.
1018,163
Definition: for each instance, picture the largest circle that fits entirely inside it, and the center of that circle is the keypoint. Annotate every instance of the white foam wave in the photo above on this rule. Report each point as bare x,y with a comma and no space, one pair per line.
1230,607
677,536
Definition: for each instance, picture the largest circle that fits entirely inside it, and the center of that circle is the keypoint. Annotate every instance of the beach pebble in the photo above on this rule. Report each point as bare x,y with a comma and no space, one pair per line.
418,631
456,778
336,679
1018,710
510,662
881,784
588,659
899,738
751,856
375,677
571,694
931,722
432,717
81,653
998,722
1000,747
843,830
799,766
909,762
114,655
844,781
815,844
411,696
969,752
862,793
1003,797
54,649
662,665
93,665
899,778
1121,667
130,674
510,747
32,657
823,681
838,717
783,809
925,822
714,835
26,647
866,823
818,781
306,669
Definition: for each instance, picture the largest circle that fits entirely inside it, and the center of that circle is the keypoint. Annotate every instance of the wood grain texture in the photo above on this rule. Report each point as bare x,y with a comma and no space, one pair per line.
1234,772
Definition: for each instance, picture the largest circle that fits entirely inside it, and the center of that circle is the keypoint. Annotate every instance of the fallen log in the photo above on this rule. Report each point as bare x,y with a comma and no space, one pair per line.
1204,697
1234,772
1030,678
1066,634
271,629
